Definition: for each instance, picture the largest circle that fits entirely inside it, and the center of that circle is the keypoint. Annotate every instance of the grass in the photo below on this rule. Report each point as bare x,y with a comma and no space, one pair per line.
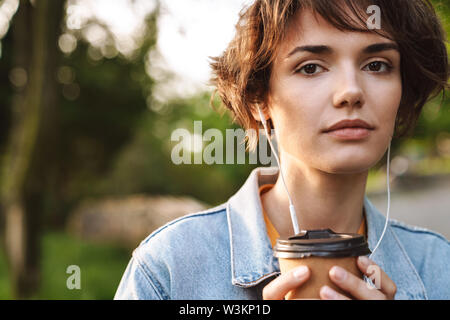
101,268
5,292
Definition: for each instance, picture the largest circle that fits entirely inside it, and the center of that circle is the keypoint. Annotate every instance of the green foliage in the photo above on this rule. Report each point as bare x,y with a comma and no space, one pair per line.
5,290
435,118
101,266
145,165
101,120
101,102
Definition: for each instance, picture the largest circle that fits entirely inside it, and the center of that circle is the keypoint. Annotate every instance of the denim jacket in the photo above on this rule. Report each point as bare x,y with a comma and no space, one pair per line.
225,253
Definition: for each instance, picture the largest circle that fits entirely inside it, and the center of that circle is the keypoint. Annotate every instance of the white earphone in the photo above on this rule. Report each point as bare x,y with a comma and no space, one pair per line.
291,205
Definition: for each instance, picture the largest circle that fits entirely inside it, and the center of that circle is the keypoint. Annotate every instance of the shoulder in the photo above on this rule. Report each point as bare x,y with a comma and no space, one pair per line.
414,230
429,252
169,252
418,235
187,239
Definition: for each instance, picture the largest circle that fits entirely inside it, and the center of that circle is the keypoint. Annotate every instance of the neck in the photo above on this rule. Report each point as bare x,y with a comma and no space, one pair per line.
321,200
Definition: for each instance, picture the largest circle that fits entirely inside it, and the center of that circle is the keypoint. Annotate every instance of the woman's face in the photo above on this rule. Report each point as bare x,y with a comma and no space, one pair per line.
341,75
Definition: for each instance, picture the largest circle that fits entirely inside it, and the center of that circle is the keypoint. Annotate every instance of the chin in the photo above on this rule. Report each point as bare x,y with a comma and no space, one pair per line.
348,167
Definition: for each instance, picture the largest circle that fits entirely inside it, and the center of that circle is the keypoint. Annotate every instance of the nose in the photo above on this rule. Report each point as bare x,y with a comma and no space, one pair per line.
348,92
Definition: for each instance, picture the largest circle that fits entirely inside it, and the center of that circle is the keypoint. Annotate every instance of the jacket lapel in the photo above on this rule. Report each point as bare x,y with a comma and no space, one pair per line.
252,260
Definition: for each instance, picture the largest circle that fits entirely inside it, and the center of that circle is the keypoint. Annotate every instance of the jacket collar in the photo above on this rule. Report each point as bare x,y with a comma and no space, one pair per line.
252,259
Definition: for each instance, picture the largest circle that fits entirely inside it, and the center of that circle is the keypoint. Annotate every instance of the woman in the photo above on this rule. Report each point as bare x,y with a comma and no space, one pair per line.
307,65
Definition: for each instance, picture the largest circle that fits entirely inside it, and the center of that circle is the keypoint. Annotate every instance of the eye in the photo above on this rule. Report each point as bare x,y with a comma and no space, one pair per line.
309,69
378,67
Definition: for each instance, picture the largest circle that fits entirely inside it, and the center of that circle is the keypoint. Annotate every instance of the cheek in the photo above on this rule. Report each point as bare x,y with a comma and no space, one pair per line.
296,112
387,104
300,103
297,121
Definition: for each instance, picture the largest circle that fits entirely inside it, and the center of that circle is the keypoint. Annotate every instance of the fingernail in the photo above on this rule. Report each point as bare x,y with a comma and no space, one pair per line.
339,273
328,292
364,261
300,272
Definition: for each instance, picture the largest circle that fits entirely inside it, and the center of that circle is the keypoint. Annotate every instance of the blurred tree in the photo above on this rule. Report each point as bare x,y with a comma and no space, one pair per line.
102,101
67,118
31,64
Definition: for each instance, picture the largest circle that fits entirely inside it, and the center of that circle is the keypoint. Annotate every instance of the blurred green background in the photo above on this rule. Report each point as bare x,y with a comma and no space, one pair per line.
82,134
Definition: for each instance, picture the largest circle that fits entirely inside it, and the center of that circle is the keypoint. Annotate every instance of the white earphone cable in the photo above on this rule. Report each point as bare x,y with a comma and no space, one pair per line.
388,201
291,205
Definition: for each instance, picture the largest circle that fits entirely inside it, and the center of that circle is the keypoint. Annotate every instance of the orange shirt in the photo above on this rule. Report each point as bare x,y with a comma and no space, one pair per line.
272,232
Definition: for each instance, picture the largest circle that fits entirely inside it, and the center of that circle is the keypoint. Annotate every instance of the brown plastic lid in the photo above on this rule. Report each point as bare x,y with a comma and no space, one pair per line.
321,243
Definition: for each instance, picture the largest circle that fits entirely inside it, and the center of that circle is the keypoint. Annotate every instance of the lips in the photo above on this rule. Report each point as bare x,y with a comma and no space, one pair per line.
349,123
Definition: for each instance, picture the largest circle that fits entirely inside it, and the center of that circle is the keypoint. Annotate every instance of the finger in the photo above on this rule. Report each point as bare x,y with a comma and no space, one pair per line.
326,293
279,287
350,283
380,279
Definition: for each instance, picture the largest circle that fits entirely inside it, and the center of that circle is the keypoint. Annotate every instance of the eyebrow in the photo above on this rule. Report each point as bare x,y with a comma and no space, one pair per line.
322,49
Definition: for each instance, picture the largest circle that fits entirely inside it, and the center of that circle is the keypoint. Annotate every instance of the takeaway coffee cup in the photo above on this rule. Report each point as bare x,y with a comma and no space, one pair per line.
320,250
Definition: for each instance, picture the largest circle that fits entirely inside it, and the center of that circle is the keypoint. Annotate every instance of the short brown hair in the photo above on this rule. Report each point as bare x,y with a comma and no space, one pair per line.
241,74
